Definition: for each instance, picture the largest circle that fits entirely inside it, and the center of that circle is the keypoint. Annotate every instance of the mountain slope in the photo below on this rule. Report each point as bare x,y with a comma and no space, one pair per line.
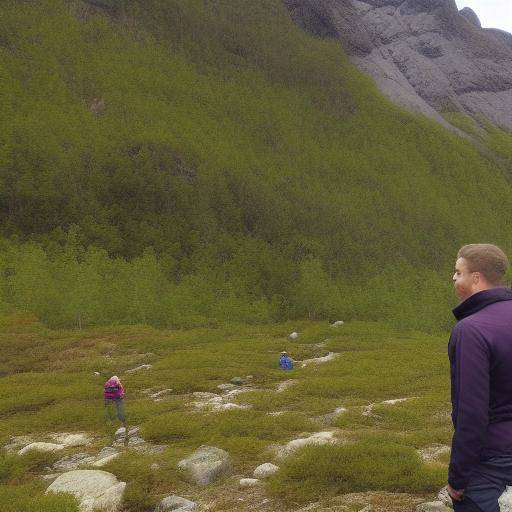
251,156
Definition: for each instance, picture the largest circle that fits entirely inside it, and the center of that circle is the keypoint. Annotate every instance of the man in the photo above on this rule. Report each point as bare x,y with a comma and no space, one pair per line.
480,352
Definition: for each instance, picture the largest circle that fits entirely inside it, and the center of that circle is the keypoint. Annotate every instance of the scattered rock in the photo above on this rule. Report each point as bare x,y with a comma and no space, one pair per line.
326,419
368,410
175,504
97,373
338,323
218,403
95,489
505,500
105,460
433,506
283,386
41,447
71,462
320,438
206,465
249,482
319,360
293,336
265,470
445,497
226,387
138,368
72,440
432,452
237,381
160,394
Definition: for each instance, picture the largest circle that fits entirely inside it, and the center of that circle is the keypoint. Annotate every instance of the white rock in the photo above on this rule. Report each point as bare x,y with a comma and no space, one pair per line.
293,336
72,439
505,500
206,465
94,489
159,394
105,460
320,438
41,447
433,506
319,360
249,482
175,504
265,470
445,497
338,323
283,386
72,462
141,367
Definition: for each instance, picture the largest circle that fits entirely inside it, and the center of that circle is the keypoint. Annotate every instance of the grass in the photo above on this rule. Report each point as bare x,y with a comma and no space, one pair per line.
375,363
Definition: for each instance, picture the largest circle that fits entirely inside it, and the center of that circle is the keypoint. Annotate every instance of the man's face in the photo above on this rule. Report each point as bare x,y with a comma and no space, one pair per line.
463,280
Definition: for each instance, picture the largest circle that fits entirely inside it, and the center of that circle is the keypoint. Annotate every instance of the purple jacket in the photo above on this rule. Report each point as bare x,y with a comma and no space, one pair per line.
113,390
480,352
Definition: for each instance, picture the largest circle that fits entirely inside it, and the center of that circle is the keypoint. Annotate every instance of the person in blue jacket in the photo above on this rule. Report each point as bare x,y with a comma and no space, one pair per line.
480,351
285,361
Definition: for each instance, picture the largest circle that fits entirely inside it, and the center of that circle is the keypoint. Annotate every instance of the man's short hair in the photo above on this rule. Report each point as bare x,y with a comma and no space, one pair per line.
488,259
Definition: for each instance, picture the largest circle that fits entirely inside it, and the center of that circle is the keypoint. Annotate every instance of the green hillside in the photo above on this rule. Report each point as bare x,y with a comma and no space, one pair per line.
181,162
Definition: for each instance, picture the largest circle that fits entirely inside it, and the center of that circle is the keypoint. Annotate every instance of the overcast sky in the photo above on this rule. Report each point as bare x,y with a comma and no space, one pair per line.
492,13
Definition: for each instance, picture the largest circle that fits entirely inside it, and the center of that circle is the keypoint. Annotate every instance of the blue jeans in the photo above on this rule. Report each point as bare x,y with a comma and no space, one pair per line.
118,402
486,485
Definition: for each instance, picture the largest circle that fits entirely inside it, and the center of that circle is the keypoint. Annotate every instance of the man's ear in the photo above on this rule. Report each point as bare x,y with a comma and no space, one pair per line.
476,277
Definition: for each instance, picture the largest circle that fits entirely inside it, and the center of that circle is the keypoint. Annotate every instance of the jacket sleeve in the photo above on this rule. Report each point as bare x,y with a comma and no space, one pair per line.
472,363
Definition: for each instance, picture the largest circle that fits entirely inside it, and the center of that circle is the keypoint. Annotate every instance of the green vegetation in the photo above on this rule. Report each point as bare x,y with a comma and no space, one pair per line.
186,163
375,363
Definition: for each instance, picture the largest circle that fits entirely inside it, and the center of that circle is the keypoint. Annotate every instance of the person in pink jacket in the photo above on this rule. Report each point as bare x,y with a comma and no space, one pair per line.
113,393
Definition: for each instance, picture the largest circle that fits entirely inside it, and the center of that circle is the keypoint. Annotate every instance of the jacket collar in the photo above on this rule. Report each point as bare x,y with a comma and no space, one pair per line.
481,300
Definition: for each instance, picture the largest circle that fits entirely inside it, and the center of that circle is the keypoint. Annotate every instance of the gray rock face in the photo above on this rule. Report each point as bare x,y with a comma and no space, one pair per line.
175,504
206,465
423,54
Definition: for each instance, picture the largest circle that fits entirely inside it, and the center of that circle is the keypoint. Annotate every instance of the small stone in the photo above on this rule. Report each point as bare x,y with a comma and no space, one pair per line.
249,482
293,336
141,367
206,465
237,381
41,447
433,506
175,504
338,323
265,470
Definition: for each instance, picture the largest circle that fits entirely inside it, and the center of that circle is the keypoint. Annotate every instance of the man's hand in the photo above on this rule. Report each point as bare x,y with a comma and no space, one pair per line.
454,494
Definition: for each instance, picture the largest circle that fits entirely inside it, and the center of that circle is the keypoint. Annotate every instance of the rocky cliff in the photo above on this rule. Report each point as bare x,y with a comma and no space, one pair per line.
425,55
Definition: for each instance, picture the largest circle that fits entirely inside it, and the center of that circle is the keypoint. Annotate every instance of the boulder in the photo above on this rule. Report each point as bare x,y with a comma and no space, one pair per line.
41,447
293,336
249,482
206,465
265,470
94,489
237,381
338,323
505,500
72,439
445,497
175,504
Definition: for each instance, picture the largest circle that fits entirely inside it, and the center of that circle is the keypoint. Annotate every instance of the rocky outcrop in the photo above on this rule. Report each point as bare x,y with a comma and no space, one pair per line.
425,55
